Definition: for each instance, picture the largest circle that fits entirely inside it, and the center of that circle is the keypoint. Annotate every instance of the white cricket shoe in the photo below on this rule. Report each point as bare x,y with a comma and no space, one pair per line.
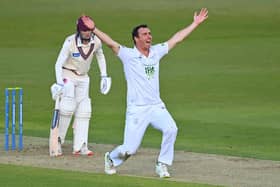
84,151
161,170
108,165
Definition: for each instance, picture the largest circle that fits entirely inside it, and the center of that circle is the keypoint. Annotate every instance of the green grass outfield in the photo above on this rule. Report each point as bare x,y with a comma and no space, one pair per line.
221,85
13,176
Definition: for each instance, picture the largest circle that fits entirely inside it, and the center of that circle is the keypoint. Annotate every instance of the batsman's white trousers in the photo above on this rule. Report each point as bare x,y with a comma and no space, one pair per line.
138,118
75,86
77,89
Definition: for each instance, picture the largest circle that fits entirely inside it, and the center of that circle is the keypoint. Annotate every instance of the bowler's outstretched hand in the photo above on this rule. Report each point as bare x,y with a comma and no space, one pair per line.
88,22
202,16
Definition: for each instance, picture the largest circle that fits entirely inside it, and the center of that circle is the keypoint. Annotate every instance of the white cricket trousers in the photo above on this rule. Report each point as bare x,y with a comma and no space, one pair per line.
75,100
138,118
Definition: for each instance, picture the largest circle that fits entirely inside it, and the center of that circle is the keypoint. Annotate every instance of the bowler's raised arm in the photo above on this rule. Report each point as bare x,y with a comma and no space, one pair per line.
182,34
107,40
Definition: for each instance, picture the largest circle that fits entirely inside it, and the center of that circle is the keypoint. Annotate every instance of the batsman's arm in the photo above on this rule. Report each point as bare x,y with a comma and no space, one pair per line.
185,32
107,40
101,62
105,83
62,57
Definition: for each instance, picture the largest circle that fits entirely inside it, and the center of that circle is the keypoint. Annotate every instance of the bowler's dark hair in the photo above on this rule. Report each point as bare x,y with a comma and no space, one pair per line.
135,31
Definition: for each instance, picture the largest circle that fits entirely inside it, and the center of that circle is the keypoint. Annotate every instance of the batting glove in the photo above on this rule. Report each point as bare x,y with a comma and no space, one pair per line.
105,84
56,90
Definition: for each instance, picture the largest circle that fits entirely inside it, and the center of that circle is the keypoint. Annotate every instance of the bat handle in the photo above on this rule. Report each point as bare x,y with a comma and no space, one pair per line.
57,103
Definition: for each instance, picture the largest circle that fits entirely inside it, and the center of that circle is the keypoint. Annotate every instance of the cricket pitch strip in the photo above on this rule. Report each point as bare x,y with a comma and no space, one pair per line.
187,166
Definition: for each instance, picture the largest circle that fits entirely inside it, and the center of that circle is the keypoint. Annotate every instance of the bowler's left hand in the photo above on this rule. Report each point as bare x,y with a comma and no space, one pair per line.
202,16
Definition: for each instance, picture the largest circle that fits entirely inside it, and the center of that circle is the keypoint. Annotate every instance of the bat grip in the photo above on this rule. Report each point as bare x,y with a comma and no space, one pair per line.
57,103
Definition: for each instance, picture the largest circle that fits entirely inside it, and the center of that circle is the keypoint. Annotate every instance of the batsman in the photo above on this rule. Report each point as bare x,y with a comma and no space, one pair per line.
72,85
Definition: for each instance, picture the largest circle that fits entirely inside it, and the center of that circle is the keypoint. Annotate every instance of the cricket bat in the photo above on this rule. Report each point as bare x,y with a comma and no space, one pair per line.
53,141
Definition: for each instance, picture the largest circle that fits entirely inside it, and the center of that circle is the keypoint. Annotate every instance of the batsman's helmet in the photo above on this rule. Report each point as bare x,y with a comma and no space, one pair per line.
81,26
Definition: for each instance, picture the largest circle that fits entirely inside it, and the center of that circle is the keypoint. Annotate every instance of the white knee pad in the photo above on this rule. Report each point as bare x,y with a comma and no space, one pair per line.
67,107
64,122
81,124
84,109
81,127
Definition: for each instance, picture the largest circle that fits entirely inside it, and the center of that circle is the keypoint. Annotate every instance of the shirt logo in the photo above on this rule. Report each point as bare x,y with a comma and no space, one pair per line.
76,54
150,71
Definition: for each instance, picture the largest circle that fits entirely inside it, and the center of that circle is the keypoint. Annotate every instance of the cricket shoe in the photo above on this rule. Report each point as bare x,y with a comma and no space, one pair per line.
108,165
161,170
83,151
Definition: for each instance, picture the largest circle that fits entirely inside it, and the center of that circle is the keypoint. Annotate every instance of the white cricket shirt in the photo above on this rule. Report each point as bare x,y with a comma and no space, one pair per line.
71,58
142,74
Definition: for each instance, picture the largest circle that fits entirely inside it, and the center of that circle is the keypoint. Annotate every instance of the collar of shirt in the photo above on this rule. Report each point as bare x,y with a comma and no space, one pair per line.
79,41
140,55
